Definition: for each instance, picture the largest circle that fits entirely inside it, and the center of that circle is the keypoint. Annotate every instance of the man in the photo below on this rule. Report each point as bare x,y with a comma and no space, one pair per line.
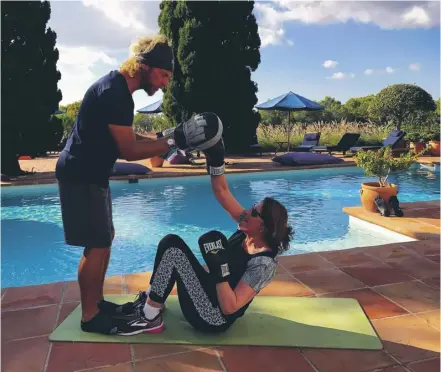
103,132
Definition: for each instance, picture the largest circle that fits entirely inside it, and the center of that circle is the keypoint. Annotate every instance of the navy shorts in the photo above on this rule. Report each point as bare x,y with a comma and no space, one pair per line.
86,210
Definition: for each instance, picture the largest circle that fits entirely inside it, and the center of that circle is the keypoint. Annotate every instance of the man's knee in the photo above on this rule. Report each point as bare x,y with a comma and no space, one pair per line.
96,252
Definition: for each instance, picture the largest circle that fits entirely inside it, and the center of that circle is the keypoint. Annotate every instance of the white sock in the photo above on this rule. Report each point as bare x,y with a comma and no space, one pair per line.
150,312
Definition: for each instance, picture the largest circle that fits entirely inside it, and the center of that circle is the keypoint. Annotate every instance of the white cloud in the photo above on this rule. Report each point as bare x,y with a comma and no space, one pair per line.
330,63
117,12
390,70
272,16
75,65
338,75
415,67
387,70
341,76
269,25
416,16
105,25
90,34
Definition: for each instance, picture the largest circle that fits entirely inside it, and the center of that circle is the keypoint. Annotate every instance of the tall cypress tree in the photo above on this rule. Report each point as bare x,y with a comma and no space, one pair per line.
216,47
29,80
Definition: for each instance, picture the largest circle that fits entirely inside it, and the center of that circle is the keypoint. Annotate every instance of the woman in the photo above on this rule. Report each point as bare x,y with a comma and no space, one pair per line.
211,302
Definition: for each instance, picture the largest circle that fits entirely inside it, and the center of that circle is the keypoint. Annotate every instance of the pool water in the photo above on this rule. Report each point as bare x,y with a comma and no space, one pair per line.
34,251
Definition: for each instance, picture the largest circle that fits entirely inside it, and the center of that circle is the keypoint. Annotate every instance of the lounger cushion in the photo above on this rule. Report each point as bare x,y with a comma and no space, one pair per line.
311,139
393,137
123,169
311,136
392,140
306,158
396,133
359,148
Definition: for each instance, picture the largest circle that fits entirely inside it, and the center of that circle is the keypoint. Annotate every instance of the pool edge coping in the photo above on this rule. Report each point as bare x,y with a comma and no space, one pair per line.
161,174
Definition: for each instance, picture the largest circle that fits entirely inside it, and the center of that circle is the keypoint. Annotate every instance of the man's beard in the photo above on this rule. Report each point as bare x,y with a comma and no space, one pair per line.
148,89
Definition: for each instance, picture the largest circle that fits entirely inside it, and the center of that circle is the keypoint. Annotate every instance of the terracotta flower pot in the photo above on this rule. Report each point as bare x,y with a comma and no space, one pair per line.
434,148
370,190
155,162
417,147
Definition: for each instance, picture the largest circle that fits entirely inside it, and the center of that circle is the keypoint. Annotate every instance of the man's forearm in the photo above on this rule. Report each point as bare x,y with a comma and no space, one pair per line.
146,149
148,137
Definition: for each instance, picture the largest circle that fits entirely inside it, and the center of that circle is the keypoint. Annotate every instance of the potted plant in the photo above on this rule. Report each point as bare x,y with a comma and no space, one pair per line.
380,164
416,142
434,146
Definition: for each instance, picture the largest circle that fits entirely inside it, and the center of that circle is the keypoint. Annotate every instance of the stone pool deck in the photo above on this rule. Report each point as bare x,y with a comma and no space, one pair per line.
44,168
396,284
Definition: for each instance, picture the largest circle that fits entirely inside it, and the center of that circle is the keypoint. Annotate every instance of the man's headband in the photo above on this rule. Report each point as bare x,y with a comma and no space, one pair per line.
161,56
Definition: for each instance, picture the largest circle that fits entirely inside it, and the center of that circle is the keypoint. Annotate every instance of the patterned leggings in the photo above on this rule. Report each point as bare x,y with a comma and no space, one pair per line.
176,263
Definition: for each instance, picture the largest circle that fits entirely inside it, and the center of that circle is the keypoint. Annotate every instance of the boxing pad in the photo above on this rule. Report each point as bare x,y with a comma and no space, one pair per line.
213,246
201,132
216,159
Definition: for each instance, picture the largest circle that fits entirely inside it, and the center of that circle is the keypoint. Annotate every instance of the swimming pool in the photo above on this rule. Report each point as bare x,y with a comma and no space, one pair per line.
34,252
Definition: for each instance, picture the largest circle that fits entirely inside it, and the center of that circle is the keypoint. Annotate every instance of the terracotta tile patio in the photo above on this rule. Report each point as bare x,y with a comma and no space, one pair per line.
396,284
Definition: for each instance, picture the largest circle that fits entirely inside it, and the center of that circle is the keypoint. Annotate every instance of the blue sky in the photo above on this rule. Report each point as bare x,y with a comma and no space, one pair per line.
356,48
335,48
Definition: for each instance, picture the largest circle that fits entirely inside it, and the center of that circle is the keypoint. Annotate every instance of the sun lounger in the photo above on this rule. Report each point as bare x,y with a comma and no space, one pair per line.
395,139
310,140
346,142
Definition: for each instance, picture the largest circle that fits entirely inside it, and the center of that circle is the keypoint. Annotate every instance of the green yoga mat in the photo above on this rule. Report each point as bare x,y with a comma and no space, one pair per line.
269,321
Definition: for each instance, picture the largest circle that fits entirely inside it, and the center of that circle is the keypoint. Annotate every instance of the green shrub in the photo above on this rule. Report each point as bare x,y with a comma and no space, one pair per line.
433,136
415,137
381,163
331,133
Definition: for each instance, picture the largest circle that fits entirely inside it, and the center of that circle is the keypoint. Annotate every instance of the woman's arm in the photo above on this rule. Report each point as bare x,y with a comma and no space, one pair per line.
259,273
224,197
230,301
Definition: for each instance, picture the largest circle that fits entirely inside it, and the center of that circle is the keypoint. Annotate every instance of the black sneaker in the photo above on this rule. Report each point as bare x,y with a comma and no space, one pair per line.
130,308
382,207
129,325
100,323
395,204
135,307
107,307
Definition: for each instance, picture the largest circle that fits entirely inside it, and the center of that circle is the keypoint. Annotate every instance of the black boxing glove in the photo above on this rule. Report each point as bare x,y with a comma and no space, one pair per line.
215,159
201,132
213,246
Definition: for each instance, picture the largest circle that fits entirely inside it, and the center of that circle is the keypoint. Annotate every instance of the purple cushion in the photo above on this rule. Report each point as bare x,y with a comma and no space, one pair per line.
123,169
178,157
306,158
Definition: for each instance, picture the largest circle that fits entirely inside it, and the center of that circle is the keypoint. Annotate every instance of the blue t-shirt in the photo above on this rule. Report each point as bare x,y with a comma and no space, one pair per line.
91,152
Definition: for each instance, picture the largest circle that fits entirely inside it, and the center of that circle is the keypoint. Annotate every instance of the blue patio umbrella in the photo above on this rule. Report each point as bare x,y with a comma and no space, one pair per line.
154,108
290,102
